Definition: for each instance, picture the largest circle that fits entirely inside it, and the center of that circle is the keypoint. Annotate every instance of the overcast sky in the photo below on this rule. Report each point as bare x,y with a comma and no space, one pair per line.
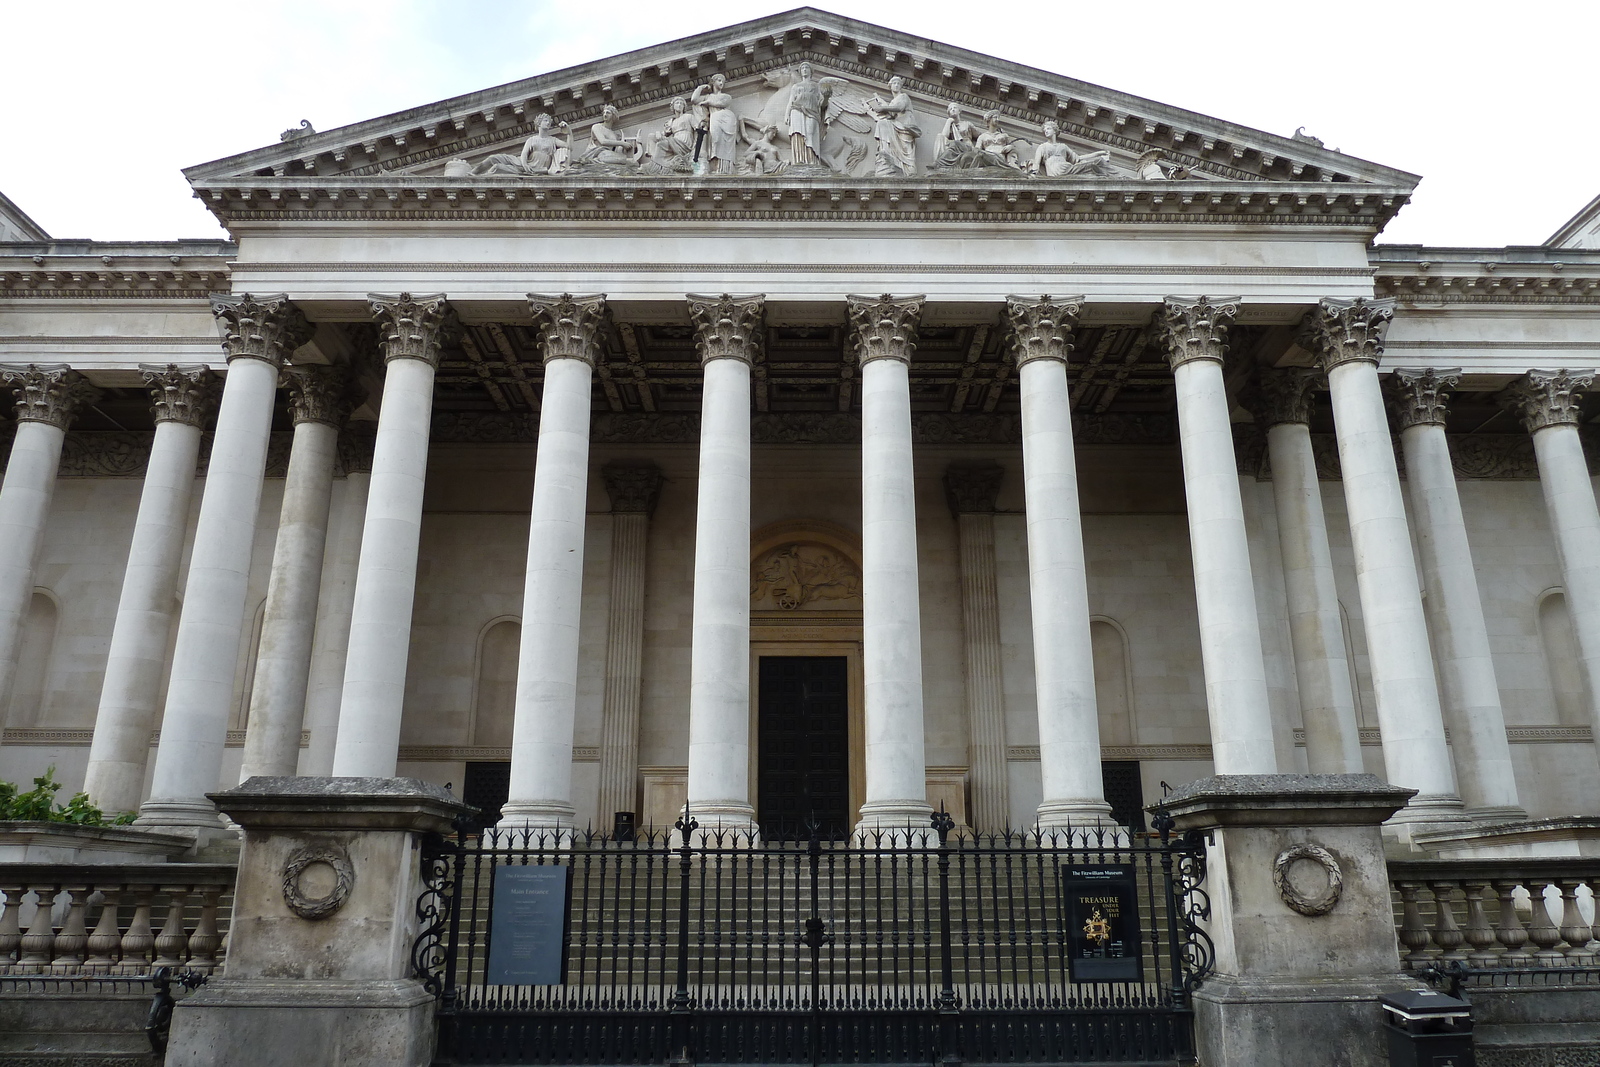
1493,104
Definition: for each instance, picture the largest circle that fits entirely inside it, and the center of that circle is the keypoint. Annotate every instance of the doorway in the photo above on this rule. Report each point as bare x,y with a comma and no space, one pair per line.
803,736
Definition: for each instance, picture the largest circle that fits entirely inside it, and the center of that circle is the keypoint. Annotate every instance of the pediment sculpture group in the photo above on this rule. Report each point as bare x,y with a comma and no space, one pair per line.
706,135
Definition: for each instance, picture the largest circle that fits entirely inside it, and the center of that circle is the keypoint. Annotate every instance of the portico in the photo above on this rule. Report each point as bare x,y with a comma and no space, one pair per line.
535,441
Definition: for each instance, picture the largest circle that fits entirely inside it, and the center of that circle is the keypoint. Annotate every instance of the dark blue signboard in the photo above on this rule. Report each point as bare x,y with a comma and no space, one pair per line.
1102,917
528,926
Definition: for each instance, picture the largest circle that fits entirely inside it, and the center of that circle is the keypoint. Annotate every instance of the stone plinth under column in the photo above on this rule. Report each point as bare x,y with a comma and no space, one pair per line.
334,989
1287,982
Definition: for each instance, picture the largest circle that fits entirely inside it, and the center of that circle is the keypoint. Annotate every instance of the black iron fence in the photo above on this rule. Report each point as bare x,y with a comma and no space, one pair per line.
920,947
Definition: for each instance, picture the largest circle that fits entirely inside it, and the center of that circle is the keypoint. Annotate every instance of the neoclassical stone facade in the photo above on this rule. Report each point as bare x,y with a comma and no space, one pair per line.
711,425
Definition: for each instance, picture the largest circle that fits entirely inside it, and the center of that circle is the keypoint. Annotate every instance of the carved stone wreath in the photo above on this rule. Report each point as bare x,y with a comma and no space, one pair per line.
317,907
1313,906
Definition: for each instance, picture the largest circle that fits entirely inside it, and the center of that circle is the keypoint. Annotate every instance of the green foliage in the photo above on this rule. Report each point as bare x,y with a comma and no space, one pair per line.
39,805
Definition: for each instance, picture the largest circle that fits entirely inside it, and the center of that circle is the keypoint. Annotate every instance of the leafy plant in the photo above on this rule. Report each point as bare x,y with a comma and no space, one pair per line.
38,805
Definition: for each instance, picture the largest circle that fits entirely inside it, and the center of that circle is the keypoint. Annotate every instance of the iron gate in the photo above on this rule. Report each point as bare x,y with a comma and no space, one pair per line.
695,948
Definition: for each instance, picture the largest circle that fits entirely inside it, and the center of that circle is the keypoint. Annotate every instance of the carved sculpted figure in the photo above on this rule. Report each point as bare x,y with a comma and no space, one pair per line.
957,140
765,154
720,124
673,147
1054,159
896,130
542,153
997,145
798,574
609,145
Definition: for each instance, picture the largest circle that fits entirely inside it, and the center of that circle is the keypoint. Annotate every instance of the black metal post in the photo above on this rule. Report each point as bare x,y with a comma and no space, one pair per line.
949,1014
814,938
682,1017
1163,823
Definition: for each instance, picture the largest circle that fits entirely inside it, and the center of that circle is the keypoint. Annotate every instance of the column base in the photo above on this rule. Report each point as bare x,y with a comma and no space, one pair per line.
535,823
896,824
1497,816
1074,814
1244,1022
196,819
721,824
1425,813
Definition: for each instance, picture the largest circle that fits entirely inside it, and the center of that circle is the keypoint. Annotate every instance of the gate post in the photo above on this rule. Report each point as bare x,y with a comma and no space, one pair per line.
318,970
1300,917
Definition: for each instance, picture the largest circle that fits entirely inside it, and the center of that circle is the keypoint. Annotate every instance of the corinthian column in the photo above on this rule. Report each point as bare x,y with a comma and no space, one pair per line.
547,666
1547,402
1063,657
412,332
1471,694
1347,335
971,491
336,600
182,399
633,489
883,335
729,333
47,399
1195,336
258,335
1321,661
321,399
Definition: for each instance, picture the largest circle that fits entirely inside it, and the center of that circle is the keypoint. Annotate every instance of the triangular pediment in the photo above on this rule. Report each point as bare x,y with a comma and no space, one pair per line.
953,114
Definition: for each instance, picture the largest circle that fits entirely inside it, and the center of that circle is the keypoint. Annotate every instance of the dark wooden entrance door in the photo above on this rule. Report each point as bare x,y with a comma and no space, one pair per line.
804,745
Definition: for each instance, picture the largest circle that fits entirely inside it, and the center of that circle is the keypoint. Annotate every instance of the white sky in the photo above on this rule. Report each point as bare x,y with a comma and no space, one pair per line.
1493,104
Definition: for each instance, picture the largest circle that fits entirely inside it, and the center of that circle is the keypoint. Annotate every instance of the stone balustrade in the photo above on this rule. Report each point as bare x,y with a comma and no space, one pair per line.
1498,914
113,920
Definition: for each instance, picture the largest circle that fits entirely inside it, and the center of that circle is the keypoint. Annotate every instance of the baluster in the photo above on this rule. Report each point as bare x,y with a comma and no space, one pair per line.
1413,931
1479,934
74,935
1541,931
10,926
1510,931
139,940
40,939
1574,931
205,940
107,936
1447,933
173,940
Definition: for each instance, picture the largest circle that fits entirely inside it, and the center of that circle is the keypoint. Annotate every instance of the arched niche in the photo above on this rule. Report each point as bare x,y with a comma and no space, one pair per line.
32,679
1562,658
799,566
494,689
1113,682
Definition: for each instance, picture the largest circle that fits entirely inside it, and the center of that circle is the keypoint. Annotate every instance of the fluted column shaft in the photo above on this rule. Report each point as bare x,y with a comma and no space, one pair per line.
547,671
258,336
288,624
1471,693
1063,654
1195,336
131,689
971,491
1547,402
336,601
1347,335
728,331
47,399
1316,631
413,330
884,336
633,490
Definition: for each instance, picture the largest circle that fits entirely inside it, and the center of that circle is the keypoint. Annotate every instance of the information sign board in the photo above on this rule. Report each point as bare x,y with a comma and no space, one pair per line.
1101,910
528,926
